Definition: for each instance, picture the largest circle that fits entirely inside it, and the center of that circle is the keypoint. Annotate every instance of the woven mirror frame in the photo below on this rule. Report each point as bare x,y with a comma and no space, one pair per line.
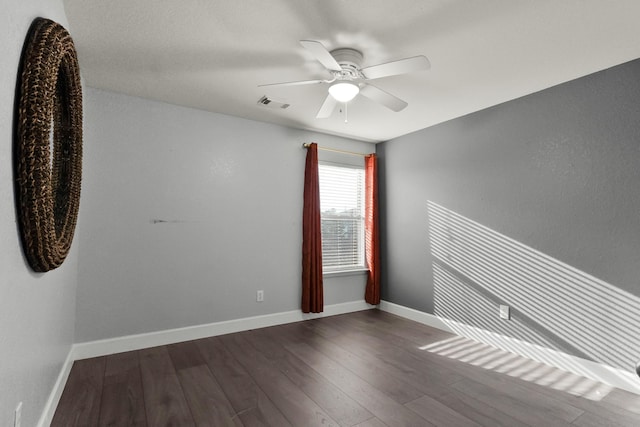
48,144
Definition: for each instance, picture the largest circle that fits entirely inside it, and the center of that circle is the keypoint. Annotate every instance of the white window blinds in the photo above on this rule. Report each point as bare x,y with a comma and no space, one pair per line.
342,217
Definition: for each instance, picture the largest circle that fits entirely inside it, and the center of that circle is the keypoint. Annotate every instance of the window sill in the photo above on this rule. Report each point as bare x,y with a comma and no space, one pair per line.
339,273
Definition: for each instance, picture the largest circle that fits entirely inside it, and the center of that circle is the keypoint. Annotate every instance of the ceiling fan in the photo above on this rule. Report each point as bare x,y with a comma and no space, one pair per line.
348,79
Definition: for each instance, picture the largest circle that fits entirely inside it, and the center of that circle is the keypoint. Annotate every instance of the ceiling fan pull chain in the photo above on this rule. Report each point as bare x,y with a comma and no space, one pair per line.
346,114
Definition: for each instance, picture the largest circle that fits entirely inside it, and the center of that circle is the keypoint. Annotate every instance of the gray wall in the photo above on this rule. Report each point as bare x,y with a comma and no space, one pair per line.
185,214
534,203
36,310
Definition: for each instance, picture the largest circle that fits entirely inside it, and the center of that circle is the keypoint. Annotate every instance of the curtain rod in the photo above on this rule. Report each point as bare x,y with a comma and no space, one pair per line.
335,150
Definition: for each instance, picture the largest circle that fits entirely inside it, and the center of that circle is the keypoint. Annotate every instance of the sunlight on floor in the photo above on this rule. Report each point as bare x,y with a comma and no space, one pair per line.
488,357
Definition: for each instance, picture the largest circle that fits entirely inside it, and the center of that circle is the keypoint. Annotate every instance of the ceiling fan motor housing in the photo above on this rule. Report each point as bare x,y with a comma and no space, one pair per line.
350,61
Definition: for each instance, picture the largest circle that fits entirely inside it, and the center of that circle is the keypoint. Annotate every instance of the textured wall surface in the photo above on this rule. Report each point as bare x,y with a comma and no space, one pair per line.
186,214
36,310
533,203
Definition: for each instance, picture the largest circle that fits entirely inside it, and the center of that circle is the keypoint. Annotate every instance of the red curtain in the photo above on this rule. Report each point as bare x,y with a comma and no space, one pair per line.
312,297
371,229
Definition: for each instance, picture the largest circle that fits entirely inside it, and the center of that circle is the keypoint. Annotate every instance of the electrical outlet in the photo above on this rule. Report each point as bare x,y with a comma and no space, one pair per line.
260,296
17,420
505,312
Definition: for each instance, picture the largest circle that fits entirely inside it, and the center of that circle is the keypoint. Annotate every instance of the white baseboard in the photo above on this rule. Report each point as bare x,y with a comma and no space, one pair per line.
170,336
595,371
54,397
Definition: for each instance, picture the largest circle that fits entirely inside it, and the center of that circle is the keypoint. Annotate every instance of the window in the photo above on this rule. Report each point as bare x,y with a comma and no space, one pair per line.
342,217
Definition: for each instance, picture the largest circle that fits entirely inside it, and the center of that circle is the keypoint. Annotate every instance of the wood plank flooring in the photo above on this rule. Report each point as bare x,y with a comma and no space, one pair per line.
365,369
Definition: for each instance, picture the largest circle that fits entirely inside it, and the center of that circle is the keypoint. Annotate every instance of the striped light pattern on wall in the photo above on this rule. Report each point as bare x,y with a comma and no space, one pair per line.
553,304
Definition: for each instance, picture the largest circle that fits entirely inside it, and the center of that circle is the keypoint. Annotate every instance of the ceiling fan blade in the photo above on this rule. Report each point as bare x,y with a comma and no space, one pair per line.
378,95
402,66
302,82
321,54
327,108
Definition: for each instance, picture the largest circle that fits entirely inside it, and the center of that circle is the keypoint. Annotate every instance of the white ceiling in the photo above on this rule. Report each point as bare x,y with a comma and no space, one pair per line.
213,54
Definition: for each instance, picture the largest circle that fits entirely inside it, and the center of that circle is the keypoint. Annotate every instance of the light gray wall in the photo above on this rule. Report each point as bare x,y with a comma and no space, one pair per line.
36,310
230,191
555,179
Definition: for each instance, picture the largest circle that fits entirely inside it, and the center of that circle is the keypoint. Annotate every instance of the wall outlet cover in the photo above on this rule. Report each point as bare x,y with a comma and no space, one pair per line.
505,312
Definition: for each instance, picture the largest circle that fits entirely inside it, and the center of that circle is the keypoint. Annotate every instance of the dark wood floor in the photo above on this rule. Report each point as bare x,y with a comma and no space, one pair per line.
361,369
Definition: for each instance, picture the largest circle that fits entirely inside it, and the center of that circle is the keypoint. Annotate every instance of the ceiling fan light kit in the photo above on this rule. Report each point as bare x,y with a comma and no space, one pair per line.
349,79
344,91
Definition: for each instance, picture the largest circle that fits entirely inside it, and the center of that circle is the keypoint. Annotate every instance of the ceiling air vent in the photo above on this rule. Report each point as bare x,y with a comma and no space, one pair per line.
272,103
